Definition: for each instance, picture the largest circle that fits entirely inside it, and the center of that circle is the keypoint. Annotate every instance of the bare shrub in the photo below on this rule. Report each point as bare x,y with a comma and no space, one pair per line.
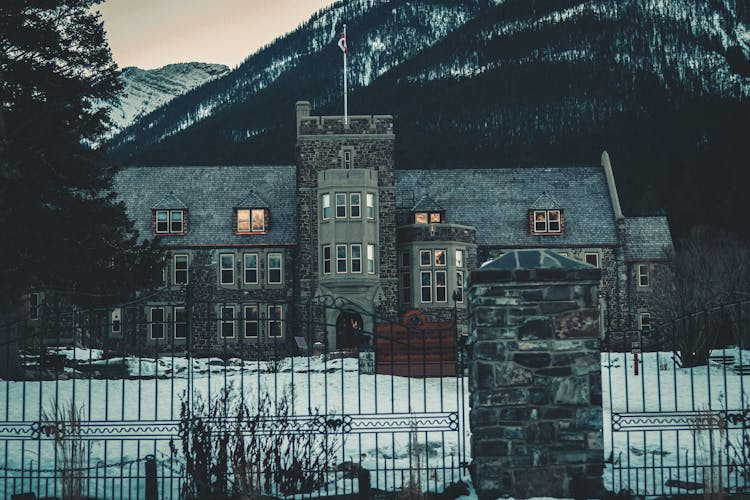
64,424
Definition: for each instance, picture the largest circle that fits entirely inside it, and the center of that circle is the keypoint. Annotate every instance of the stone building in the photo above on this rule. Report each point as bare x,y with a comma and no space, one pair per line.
250,245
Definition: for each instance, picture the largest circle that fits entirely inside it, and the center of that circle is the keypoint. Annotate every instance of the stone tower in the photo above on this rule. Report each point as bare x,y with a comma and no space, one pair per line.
346,220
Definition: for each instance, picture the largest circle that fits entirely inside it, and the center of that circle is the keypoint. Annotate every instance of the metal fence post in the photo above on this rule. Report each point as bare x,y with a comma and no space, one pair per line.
152,489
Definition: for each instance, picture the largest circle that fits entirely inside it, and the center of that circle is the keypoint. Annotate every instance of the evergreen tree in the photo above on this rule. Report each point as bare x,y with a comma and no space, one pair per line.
61,225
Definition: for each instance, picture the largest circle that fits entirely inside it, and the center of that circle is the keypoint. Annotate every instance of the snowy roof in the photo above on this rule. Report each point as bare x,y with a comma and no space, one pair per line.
211,195
647,238
496,202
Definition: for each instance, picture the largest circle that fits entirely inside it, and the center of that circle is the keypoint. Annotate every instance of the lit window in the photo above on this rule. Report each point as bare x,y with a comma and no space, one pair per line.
591,258
370,200
340,205
116,321
251,322
435,217
170,221
180,323
180,269
426,285
250,220
226,271
226,322
340,258
441,287
440,257
356,256
34,303
459,258
547,221
371,259
156,324
644,320
406,288
425,258
420,218
459,286
643,277
251,268
326,259
326,202
275,322
355,205
274,268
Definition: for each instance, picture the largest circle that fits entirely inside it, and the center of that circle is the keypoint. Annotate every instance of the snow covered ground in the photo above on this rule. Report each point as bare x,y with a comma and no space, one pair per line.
150,391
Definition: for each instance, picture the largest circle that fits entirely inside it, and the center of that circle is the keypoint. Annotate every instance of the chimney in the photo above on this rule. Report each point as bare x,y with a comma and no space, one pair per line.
303,111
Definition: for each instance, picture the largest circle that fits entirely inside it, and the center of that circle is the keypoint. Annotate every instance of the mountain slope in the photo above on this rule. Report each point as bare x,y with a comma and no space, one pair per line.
663,85
146,90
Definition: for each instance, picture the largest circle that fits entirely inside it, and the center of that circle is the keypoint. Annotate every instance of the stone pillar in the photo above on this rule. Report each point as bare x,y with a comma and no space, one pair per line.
535,381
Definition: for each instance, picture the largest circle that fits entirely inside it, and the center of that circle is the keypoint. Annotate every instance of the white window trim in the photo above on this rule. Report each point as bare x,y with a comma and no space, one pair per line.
422,287
370,204
175,323
328,259
157,222
262,219
352,259
598,258
343,259
222,268
182,221
460,261
460,285
280,320
336,203
641,315
222,321
370,259
547,229
255,320
559,222
151,323
352,205
187,268
445,286
326,204
422,252
116,318
245,269
445,257
280,268
642,275
346,159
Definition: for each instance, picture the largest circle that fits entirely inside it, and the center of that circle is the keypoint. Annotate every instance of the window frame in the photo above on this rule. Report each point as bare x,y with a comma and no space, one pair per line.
443,287
152,323
421,217
459,286
423,287
326,259
249,318
642,275
586,255
230,269
175,270
352,205
176,323
165,221
245,269
421,259
273,320
280,268
370,258
325,203
459,260
340,259
370,206
115,318
172,221
224,321
358,259
406,287
340,206
444,253
346,159
641,316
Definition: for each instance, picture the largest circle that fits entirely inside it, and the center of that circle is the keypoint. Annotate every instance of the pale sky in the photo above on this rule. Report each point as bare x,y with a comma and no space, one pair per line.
152,33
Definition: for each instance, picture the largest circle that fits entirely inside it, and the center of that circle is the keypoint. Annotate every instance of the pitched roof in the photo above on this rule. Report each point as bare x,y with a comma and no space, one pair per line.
497,201
211,194
252,200
535,259
169,201
647,238
427,204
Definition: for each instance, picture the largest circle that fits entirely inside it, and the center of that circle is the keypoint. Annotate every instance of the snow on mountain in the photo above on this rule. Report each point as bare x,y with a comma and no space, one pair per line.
146,90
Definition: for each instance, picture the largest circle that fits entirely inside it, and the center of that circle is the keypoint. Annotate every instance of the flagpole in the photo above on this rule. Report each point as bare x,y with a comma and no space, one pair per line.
346,93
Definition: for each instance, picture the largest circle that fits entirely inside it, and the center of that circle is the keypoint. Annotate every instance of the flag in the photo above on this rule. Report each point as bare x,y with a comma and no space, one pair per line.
342,43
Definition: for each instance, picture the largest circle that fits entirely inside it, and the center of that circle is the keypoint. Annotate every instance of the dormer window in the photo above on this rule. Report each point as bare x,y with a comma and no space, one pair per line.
251,220
546,221
170,221
427,211
428,217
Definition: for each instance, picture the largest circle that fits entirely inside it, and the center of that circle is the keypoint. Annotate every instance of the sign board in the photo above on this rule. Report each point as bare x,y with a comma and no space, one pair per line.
301,343
367,362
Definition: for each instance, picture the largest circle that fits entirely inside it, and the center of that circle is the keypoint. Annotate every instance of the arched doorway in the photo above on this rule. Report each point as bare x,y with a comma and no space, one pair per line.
349,330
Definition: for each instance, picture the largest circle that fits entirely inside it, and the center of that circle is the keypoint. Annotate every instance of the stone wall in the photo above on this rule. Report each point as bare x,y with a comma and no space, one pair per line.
535,382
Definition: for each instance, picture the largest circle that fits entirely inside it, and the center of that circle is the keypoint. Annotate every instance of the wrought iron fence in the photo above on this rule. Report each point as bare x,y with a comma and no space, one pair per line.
227,396
676,407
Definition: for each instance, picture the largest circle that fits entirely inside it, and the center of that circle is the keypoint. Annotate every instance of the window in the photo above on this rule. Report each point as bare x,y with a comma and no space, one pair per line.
435,218
170,221
340,205
326,202
425,217
441,287
157,323
340,258
226,322
459,286
420,218
347,159
251,220
356,256
251,322
406,288
175,221
426,284
226,271
370,200
547,221
440,257
180,323
274,268
425,257
591,258
371,259
116,321
459,258
34,303
162,221
251,268
326,259
405,260
180,269
164,275
644,320
355,205
275,322
643,277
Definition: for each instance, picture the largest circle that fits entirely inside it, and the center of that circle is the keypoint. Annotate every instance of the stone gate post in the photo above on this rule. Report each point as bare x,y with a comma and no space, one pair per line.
534,377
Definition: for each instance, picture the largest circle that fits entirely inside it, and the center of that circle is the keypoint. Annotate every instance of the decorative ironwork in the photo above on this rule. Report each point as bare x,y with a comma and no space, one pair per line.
680,420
